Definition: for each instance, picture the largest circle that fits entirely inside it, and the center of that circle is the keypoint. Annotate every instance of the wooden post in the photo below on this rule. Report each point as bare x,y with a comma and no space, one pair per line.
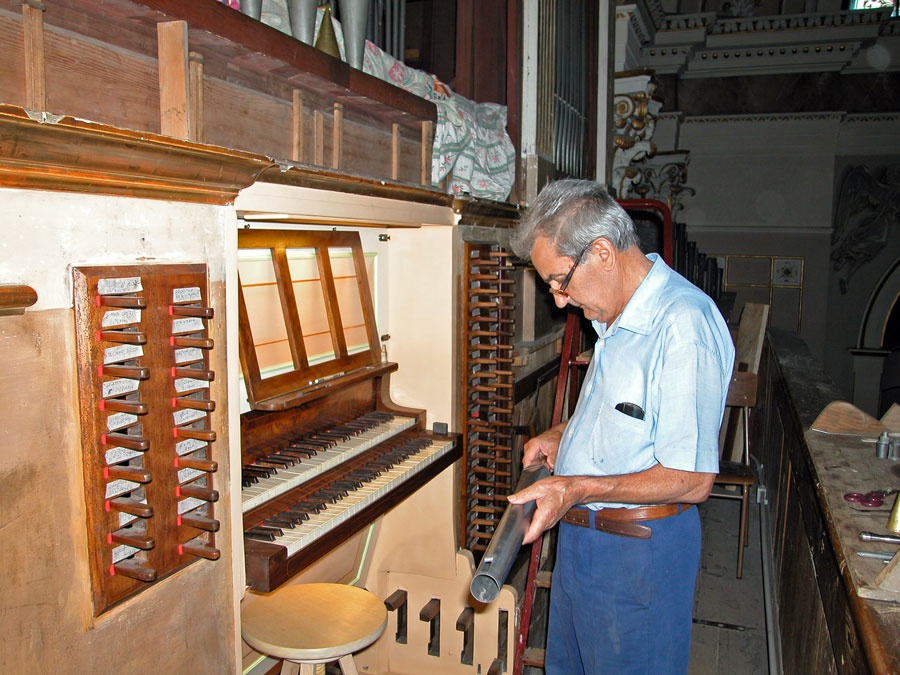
297,128
319,120
35,75
337,135
174,79
196,96
395,152
427,140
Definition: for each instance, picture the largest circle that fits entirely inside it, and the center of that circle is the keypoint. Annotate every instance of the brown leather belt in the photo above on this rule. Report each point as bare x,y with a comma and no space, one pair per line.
624,522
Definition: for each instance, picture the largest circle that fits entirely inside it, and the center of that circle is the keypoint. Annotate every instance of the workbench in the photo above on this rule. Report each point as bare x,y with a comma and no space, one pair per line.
812,452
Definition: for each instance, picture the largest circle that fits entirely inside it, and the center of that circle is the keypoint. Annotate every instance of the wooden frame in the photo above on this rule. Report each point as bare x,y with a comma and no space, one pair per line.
146,423
289,389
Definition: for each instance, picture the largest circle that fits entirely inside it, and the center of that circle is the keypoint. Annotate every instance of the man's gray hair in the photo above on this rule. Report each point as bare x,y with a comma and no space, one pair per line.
571,214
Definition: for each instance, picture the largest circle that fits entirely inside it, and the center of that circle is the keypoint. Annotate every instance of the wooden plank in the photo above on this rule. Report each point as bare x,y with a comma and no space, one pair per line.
174,79
297,126
115,87
237,117
427,142
752,331
337,134
289,308
395,151
840,417
891,419
196,96
319,134
35,75
12,43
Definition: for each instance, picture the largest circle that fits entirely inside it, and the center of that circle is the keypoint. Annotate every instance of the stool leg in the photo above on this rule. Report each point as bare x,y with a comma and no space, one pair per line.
743,534
289,667
348,667
307,669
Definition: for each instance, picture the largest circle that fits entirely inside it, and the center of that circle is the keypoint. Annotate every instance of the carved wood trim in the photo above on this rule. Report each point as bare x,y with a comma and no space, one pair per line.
68,154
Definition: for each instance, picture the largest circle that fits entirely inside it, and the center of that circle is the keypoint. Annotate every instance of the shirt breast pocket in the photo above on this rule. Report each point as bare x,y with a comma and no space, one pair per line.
620,443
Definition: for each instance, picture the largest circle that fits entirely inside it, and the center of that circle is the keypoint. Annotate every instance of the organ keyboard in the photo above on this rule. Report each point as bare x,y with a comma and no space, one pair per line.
312,507
324,451
295,460
309,514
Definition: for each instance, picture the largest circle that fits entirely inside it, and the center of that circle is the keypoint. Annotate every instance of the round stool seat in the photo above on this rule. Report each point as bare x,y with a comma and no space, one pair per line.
313,622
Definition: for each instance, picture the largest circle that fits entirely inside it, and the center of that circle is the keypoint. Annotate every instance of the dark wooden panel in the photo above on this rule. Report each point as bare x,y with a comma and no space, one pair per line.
805,644
12,74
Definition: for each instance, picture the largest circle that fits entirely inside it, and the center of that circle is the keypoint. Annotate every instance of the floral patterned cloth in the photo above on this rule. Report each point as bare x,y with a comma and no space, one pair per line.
470,138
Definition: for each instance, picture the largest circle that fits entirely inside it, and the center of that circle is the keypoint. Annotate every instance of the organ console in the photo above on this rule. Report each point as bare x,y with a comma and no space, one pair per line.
324,450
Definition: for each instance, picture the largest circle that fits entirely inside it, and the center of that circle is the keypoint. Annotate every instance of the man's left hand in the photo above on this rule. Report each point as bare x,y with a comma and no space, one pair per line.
553,496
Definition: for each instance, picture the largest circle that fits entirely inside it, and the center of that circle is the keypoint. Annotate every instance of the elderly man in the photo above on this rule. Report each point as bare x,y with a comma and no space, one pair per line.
640,449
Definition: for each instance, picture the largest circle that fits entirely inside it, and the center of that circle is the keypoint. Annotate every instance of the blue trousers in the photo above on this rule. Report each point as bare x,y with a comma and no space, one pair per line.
623,605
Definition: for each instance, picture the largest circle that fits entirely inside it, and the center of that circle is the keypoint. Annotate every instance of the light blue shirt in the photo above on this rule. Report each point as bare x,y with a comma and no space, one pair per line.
670,353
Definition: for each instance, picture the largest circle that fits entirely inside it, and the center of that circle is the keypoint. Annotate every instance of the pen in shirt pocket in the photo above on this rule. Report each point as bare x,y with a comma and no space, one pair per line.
631,409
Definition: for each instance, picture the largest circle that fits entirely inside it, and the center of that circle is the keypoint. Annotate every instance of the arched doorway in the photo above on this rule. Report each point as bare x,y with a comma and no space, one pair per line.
876,358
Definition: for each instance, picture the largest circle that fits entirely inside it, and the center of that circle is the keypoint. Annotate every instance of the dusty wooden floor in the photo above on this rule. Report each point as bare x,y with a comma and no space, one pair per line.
729,614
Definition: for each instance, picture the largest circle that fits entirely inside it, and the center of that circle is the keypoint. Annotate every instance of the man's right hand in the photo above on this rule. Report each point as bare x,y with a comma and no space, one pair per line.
542,449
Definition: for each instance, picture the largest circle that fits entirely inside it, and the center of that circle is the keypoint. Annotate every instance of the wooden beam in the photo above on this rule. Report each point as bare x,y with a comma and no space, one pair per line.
297,127
35,73
395,151
337,135
195,98
319,133
427,141
174,79
73,155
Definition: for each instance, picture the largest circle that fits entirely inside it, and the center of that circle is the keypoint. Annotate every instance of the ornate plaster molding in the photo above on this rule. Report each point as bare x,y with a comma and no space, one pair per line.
867,209
704,45
870,118
662,177
779,117
816,57
792,22
634,124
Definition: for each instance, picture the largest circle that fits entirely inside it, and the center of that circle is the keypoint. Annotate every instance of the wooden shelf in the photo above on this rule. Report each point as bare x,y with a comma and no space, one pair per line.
203,72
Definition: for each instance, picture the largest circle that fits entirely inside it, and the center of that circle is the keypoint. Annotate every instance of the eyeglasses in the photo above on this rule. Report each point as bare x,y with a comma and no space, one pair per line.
561,291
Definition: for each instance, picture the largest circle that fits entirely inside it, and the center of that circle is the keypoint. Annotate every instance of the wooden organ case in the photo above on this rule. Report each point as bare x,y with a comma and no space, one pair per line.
327,453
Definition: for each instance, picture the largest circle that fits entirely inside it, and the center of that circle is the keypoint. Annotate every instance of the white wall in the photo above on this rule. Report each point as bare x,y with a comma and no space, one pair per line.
186,622
764,186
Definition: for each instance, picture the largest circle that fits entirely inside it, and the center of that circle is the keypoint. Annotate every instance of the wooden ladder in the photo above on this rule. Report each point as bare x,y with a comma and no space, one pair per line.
538,575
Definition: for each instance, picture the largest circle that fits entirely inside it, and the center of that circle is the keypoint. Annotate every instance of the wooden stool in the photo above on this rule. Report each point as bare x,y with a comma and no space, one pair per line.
314,623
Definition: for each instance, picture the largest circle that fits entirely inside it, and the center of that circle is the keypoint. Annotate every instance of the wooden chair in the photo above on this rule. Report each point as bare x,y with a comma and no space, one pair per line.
734,468
310,624
741,395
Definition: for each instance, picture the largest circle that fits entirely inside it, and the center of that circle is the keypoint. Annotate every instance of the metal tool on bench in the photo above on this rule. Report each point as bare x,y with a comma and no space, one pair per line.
884,556
872,536
506,541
